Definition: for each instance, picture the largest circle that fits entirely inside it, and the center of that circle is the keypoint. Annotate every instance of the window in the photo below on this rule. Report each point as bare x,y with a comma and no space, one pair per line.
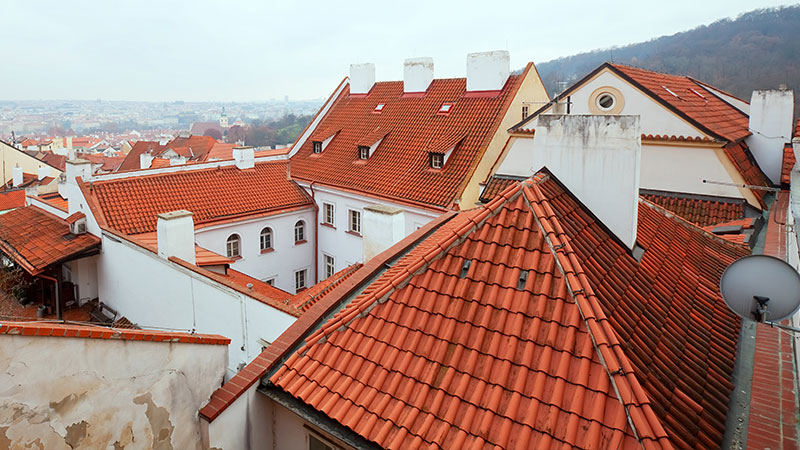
605,101
270,281
315,443
363,152
378,108
299,232
445,109
355,221
436,160
330,266
317,146
328,214
233,245
524,112
266,239
300,280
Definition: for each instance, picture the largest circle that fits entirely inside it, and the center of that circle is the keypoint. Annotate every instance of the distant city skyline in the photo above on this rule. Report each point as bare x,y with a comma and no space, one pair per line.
256,51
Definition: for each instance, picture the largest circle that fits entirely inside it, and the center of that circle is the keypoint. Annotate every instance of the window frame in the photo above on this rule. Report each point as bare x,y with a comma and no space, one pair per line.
363,152
525,112
233,239
266,231
332,221
329,263
330,445
351,215
433,156
316,147
302,273
300,226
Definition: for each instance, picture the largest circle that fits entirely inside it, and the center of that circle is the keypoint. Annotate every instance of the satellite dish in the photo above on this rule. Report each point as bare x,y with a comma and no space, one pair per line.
761,288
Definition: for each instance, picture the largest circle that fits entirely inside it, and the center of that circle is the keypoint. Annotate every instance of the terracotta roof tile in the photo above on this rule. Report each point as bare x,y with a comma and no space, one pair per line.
788,164
701,211
693,100
12,199
741,157
55,200
130,205
465,355
50,329
194,148
399,167
57,161
306,299
35,239
496,185
259,286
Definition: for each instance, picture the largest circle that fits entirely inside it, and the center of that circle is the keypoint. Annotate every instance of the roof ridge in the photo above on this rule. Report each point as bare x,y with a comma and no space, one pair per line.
640,416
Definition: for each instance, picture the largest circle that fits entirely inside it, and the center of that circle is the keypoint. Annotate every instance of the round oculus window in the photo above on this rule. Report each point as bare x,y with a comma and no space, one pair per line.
605,101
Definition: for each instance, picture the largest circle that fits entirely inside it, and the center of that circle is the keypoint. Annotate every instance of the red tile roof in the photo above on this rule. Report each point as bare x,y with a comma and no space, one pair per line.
741,157
496,185
12,199
194,148
221,150
36,239
57,161
399,167
130,205
306,299
740,231
203,257
691,100
788,164
703,211
106,163
462,357
55,200
259,286
50,329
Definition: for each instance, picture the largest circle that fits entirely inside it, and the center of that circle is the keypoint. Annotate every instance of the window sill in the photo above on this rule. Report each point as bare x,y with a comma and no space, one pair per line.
297,291
324,224
235,258
353,233
300,242
267,250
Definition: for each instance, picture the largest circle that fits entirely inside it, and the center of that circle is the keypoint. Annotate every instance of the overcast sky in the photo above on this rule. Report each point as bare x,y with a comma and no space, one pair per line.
256,50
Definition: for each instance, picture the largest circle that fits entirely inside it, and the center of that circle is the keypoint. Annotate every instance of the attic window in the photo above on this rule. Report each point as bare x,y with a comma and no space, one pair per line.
436,160
524,112
378,108
445,108
668,90
317,146
363,152
606,101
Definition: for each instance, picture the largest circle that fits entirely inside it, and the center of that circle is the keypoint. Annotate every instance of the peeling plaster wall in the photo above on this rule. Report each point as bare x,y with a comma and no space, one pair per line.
62,393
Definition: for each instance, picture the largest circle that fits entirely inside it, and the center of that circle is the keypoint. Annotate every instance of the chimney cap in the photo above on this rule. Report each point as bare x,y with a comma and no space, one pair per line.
175,214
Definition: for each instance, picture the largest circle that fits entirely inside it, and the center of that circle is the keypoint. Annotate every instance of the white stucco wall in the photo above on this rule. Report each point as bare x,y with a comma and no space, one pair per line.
596,157
154,292
62,393
772,124
83,273
683,169
346,248
281,263
655,119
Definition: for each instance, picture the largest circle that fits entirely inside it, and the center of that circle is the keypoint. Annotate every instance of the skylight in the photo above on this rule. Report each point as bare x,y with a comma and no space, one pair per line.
698,94
445,108
378,107
668,90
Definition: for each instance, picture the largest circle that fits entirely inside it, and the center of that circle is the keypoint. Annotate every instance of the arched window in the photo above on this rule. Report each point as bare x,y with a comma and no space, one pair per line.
299,232
233,246
266,239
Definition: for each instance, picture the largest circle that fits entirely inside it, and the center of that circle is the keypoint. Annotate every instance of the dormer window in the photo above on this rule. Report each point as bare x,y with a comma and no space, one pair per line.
363,152
445,108
317,146
436,160
378,108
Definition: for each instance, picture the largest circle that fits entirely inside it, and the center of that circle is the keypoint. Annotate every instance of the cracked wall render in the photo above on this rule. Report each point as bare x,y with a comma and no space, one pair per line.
64,393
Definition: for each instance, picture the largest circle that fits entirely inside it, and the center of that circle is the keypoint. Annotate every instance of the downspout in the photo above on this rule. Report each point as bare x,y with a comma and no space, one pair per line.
316,233
57,281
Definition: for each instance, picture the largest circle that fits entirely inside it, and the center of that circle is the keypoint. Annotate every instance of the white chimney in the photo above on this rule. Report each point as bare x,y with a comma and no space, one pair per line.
16,176
362,78
78,168
382,227
175,231
417,74
177,160
145,160
244,157
44,172
596,157
771,113
488,71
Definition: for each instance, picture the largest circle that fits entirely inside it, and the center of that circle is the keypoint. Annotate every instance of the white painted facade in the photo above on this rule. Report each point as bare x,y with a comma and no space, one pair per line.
348,248
596,157
154,292
282,262
682,169
93,393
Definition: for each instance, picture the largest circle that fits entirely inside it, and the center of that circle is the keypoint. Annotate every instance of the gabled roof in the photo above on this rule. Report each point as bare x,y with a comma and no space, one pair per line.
36,239
399,168
490,336
194,148
130,205
682,95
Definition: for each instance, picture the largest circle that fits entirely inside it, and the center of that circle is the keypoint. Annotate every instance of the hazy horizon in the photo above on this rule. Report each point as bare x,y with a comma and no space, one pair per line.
252,52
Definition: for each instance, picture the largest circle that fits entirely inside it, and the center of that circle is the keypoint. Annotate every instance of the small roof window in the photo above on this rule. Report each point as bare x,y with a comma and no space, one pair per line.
445,108
378,108
698,94
670,91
